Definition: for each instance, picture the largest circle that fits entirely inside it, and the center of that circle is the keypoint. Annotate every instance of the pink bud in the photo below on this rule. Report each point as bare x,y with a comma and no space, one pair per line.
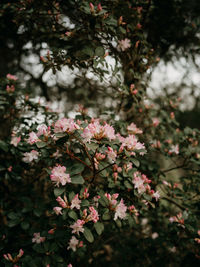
21,253
51,231
10,257
91,7
99,7
5,257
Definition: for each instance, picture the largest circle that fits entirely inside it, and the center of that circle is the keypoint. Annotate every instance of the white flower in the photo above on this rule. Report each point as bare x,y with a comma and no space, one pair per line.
30,156
120,210
124,44
73,243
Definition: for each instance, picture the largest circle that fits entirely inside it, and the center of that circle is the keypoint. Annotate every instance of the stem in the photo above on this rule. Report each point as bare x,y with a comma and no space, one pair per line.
76,158
175,203
105,167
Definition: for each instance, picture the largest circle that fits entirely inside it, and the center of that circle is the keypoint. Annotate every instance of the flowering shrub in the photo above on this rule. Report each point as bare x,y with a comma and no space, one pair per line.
74,180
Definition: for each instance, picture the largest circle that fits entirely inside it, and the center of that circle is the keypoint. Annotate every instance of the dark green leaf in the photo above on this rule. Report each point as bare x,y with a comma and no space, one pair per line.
99,227
88,235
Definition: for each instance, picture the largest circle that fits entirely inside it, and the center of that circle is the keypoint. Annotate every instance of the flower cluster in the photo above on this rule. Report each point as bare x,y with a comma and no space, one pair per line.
59,175
142,184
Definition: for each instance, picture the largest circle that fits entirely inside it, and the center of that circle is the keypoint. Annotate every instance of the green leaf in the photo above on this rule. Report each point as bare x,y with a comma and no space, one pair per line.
40,144
72,214
85,202
38,248
99,51
25,225
136,162
128,185
118,223
3,146
12,216
78,179
106,216
88,51
58,191
99,227
88,235
13,222
76,168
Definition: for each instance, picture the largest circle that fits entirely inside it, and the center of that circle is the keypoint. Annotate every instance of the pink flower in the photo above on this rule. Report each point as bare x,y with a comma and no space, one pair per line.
65,125
43,130
77,227
132,129
33,138
120,210
73,243
124,44
93,216
111,154
156,121
130,143
37,238
138,183
57,210
58,175
11,77
61,202
97,131
75,203
10,89
156,195
109,132
30,156
112,199
15,140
